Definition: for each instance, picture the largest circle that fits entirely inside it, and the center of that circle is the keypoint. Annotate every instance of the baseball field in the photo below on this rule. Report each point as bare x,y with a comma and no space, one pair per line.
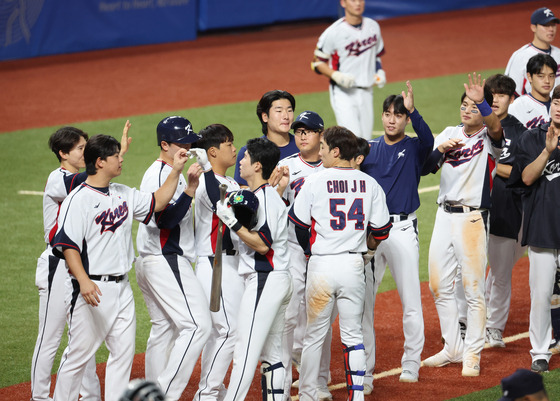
219,78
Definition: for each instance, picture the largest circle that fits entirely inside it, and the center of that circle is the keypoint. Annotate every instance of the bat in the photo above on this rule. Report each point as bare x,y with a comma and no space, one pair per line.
216,289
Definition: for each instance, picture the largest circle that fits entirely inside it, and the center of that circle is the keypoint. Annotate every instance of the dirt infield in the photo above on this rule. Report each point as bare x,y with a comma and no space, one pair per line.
214,69
240,67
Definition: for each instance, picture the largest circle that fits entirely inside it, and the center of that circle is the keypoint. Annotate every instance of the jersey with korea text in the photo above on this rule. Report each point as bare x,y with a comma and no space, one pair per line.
338,205
540,207
97,222
398,167
272,227
505,215
206,221
59,184
353,50
517,66
169,232
467,173
529,111
299,170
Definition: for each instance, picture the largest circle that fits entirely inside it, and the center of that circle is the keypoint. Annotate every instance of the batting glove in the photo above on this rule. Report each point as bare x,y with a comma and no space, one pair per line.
380,79
342,79
225,213
201,158
368,256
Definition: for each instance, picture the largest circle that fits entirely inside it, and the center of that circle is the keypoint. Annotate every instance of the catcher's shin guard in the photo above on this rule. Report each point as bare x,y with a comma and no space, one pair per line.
272,381
355,366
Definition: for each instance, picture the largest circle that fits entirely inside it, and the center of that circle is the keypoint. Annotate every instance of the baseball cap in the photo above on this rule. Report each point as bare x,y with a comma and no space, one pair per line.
543,16
308,119
521,383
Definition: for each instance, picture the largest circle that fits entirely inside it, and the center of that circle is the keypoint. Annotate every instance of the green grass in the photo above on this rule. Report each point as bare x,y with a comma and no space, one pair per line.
26,163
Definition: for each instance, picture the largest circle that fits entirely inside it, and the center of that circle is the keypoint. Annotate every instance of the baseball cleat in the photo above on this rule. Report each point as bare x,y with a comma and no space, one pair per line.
540,366
324,394
471,366
494,338
555,347
408,376
368,389
440,359
463,329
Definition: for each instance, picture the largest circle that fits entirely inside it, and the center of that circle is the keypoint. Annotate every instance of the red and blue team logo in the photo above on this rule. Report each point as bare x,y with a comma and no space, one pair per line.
359,46
460,156
110,220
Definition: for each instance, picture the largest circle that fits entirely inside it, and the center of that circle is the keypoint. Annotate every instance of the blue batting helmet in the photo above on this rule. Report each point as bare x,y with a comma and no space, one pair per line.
245,205
176,129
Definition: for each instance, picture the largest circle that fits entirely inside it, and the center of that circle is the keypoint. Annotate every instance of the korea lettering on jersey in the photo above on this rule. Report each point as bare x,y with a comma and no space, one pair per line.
272,227
151,239
353,50
338,204
529,111
206,221
477,158
98,224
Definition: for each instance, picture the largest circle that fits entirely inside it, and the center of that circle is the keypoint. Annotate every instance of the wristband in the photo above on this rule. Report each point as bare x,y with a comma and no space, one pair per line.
484,108
236,227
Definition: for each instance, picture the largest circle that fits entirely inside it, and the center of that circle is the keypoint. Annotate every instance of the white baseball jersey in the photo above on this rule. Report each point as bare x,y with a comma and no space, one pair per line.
206,221
467,173
299,170
97,222
529,111
154,238
338,204
272,226
353,50
517,66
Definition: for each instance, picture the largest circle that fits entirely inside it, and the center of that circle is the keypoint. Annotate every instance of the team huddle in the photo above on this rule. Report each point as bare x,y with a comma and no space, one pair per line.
310,221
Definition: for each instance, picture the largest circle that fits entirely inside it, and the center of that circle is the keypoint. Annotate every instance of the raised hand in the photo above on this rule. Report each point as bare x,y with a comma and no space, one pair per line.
551,140
408,98
475,88
125,140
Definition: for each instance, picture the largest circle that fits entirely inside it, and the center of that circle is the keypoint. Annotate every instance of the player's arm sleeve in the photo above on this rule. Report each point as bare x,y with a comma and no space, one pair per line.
379,223
433,162
74,180
422,129
70,232
511,72
174,212
144,204
237,175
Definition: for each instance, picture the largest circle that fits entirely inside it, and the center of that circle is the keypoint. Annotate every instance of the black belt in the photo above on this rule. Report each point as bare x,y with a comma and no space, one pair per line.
458,209
231,252
398,217
116,279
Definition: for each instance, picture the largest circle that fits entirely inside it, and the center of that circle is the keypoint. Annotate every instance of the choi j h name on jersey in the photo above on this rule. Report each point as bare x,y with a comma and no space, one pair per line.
343,186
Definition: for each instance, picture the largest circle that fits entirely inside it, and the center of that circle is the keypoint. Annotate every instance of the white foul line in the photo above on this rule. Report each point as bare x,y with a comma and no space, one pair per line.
40,193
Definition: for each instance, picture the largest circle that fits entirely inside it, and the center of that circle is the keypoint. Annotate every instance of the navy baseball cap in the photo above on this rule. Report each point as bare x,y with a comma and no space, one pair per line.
521,383
543,16
310,120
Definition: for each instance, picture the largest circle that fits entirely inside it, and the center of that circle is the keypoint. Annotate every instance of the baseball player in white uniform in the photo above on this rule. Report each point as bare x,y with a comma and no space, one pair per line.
538,166
348,52
532,109
467,157
544,25
94,235
341,206
307,127
395,161
175,299
264,262
67,144
216,154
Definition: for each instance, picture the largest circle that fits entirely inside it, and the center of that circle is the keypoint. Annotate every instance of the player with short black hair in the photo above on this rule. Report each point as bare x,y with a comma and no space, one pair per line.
266,103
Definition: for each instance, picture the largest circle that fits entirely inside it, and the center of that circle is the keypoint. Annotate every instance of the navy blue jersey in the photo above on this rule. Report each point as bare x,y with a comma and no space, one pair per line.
505,214
540,205
397,168
285,151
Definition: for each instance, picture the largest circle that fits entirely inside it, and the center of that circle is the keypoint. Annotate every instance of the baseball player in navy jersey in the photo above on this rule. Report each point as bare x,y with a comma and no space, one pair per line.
67,144
340,205
275,111
216,154
175,299
504,242
467,157
94,235
294,169
532,109
537,165
544,26
395,161
348,52
264,262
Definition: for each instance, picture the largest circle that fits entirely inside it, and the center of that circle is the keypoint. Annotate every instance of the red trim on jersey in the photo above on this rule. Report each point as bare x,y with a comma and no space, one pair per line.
151,212
95,189
313,236
164,162
270,256
475,134
55,227
310,165
214,232
335,61
163,236
491,168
